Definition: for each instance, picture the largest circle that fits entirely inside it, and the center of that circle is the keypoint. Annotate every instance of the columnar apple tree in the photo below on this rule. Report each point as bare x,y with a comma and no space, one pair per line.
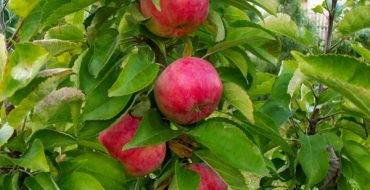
181,95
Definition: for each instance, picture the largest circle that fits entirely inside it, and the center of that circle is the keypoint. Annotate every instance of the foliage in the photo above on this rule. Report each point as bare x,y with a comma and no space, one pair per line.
70,69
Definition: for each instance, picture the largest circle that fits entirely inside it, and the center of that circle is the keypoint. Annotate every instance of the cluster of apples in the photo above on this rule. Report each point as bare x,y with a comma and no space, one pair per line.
187,91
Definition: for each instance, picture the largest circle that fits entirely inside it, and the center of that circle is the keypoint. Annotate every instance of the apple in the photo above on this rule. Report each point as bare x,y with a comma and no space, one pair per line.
188,90
209,180
136,161
175,17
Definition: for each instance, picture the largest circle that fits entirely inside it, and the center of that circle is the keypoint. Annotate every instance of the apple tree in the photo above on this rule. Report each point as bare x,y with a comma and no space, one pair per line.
181,95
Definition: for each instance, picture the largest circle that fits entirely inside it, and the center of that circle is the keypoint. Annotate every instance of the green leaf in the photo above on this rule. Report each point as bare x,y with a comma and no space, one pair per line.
269,6
239,98
356,19
34,158
151,131
218,26
109,172
80,181
17,115
98,105
232,75
280,88
358,153
266,127
318,9
184,179
51,138
23,7
61,105
230,175
238,58
24,63
3,56
262,84
65,32
42,181
137,73
6,132
313,158
47,13
279,114
244,5
344,74
11,181
103,48
230,144
365,53
284,25
56,47
234,15
157,4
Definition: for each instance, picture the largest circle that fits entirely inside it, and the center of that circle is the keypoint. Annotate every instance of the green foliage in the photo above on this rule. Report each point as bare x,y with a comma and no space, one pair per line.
71,68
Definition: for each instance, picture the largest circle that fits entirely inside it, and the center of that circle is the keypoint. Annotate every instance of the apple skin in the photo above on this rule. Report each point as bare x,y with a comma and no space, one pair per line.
136,161
209,180
188,90
176,18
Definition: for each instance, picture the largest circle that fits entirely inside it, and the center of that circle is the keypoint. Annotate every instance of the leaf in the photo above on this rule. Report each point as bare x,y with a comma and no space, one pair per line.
358,153
239,98
6,132
42,181
269,6
52,138
11,181
99,106
280,88
230,144
284,25
184,179
356,19
344,74
266,127
23,7
244,5
65,32
230,175
80,181
365,53
109,172
24,63
318,9
17,115
56,47
103,48
47,13
313,158
157,4
232,75
280,114
61,105
238,58
137,73
151,131
217,25
3,56
34,158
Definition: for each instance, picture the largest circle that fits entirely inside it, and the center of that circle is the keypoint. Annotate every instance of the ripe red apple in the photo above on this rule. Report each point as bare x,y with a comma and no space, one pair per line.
188,90
176,17
136,161
209,180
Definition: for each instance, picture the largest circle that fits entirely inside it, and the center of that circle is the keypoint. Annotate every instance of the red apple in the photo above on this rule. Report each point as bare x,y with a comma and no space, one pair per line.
136,161
209,180
176,17
188,90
